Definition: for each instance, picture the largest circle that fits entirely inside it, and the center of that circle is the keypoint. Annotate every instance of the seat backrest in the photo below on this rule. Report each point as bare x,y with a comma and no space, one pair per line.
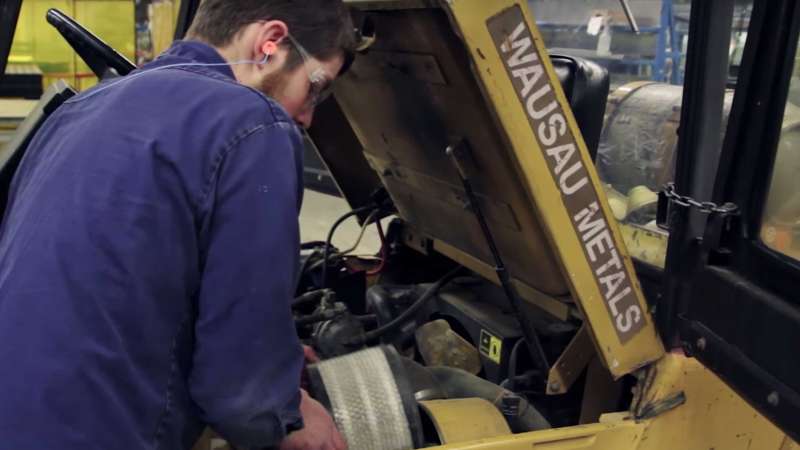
586,86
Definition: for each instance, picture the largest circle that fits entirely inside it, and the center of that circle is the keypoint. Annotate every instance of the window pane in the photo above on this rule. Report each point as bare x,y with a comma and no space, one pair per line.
636,155
38,46
780,227
113,22
155,27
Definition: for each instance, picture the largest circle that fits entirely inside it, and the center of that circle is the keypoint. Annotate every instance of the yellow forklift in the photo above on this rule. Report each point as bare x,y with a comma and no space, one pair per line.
504,311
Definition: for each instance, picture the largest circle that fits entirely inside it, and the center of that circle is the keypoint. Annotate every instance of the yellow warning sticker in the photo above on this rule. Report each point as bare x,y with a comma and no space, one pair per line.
491,346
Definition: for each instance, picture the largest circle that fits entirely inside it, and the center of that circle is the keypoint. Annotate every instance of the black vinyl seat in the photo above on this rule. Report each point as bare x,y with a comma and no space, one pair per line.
586,85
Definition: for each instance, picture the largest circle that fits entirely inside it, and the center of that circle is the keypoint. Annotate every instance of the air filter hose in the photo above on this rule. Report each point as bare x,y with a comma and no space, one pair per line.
370,398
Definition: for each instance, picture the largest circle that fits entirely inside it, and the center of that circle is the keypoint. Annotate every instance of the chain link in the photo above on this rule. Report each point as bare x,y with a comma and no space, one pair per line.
704,207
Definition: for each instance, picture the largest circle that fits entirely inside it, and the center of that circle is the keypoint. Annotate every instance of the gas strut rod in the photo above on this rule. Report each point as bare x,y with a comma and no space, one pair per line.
629,15
528,330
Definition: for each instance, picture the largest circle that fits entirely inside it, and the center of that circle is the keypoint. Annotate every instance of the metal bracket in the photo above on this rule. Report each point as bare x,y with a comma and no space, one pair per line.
571,363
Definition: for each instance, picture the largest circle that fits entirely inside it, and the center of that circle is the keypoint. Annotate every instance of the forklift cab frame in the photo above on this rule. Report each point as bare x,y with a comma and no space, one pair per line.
729,299
712,259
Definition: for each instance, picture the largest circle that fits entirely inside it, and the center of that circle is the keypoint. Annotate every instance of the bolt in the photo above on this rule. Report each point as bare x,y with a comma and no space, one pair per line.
555,386
510,404
773,398
701,344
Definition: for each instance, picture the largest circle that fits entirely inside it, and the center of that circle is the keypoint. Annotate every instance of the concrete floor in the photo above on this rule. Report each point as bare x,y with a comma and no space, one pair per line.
320,211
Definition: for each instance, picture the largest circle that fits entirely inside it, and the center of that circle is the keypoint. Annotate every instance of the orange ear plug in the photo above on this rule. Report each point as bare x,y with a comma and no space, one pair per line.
269,48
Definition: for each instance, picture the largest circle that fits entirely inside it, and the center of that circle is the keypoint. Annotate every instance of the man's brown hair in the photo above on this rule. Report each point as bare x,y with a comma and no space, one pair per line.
323,27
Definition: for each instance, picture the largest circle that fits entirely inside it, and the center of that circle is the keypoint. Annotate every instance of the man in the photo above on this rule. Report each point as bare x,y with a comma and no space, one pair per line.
150,249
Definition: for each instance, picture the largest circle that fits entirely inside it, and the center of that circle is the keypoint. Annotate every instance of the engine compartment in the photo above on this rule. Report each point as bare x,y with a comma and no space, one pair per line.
499,281
451,334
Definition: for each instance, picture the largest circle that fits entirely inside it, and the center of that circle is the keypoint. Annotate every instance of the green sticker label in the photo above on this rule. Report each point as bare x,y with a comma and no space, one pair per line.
491,346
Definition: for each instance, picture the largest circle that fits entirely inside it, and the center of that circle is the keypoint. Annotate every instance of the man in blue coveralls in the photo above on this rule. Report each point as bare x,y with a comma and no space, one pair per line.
150,250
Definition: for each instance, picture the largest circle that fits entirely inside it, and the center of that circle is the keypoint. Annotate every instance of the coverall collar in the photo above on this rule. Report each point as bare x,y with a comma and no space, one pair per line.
199,52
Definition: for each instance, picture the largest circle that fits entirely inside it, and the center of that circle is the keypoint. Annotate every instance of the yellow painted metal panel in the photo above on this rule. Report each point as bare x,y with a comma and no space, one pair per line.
619,435
465,419
712,417
644,244
621,353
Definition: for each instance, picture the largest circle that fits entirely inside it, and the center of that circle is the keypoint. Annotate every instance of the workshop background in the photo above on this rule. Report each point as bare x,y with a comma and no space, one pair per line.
593,29
140,30
634,153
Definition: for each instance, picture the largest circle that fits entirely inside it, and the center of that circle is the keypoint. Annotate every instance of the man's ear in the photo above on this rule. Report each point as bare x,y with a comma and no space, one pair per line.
270,35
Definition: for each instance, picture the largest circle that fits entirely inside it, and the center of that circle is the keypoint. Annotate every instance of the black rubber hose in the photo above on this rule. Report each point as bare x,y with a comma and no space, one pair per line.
456,383
512,365
327,248
409,313
310,245
309,297
368,320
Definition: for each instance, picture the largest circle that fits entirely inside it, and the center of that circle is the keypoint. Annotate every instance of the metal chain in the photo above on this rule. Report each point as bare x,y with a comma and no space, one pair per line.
705,207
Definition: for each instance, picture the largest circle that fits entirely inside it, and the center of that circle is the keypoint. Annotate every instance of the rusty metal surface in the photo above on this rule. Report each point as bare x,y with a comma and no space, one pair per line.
407,99
439,345
601,393
571,363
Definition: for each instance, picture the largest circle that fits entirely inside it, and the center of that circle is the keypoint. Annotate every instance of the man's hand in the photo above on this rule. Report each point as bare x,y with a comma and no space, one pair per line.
310,355
319,433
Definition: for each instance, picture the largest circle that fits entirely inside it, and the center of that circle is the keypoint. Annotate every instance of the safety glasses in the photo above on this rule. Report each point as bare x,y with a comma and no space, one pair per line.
320,82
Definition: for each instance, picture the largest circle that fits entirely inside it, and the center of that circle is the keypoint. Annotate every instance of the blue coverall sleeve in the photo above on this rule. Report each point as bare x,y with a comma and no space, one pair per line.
247,360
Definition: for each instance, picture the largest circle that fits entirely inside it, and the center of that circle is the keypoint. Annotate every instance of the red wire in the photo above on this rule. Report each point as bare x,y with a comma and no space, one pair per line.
384,252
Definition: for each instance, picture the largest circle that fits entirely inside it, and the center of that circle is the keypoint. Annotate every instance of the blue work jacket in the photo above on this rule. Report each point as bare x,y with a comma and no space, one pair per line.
147,263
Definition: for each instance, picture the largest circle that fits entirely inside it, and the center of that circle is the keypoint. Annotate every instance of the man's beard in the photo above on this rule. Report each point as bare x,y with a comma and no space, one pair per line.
274,84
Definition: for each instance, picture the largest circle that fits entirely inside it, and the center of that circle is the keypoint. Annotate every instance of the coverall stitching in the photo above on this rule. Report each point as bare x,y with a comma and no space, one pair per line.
278,114
170,384
217,164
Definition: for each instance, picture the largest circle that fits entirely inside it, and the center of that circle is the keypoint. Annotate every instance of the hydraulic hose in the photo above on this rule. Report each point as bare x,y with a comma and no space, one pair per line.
409,313
326,250
310,297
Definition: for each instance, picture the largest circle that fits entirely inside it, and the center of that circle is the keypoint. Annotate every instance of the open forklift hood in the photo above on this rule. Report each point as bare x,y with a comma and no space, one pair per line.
407,101
408,98
441,74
